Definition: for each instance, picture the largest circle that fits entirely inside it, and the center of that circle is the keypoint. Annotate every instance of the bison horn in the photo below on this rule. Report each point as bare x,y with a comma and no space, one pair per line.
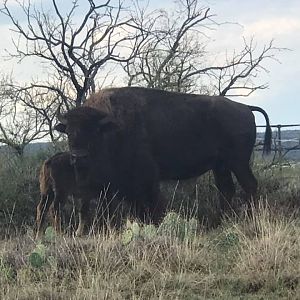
60,117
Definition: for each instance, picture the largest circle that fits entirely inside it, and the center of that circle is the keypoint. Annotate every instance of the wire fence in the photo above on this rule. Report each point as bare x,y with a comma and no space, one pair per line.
284,142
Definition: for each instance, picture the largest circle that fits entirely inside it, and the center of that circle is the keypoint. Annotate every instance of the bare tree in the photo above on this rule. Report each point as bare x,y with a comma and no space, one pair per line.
72,50
171,50
156,49
75,50
19,124
238,74
176,57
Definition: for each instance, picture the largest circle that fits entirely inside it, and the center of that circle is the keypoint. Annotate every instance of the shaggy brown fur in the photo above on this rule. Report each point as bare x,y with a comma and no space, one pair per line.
113,161
57,182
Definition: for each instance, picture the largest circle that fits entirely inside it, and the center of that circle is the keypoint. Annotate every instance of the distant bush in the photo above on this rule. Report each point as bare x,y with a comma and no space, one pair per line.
19,189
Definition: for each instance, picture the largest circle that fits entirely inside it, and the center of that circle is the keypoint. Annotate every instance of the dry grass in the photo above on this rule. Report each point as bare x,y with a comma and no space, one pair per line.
255,257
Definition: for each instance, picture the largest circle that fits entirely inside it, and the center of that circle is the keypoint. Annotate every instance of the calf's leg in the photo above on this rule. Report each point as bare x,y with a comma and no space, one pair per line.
41,211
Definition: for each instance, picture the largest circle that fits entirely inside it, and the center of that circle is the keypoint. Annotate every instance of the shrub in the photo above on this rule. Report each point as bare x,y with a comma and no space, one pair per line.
19,193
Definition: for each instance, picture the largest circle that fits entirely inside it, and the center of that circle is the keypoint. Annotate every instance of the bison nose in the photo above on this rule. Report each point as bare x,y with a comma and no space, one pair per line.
78,155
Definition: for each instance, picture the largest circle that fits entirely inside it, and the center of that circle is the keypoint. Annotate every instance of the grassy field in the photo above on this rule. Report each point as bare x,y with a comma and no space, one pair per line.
255,257
252,255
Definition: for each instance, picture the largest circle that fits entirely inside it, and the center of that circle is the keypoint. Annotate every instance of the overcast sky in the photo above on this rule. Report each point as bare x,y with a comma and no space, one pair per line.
266,20
263,19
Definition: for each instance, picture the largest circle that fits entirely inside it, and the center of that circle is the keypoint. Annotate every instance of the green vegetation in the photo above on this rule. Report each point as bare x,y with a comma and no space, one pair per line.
249,256
19,190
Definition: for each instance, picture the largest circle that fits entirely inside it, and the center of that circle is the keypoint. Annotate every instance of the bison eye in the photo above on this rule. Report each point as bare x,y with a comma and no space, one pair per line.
60,128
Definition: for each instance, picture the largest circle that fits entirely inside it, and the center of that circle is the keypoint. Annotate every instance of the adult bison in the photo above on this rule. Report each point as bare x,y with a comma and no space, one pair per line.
184,134
125,172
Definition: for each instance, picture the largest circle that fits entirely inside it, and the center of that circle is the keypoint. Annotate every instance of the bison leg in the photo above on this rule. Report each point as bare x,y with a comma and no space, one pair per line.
225,185
57,217
158,207
41,211
246,179
151,206
58,204
84,214
148,205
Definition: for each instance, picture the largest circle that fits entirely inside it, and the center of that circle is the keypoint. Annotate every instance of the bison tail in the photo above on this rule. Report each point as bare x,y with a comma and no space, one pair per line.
268,132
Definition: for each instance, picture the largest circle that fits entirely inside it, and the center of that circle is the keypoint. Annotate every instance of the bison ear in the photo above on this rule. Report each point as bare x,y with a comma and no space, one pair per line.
107,124
60,127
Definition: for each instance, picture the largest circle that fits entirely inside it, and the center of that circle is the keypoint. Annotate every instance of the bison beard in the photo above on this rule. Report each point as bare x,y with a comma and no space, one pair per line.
130,171
178,135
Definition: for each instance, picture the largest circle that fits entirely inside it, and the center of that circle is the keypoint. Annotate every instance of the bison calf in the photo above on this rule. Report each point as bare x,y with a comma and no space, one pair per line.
57,182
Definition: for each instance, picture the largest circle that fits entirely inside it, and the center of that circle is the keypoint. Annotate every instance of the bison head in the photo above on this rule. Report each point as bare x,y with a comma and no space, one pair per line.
84,126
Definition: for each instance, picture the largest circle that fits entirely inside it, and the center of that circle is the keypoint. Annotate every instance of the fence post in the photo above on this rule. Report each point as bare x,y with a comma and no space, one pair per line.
279,147
279,143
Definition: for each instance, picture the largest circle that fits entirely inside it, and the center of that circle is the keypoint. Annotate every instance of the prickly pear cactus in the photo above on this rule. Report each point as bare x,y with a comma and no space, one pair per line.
175,226
37,257
191,228
132,232
229,240
136,230
127,236
171,226
149,232
50,234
